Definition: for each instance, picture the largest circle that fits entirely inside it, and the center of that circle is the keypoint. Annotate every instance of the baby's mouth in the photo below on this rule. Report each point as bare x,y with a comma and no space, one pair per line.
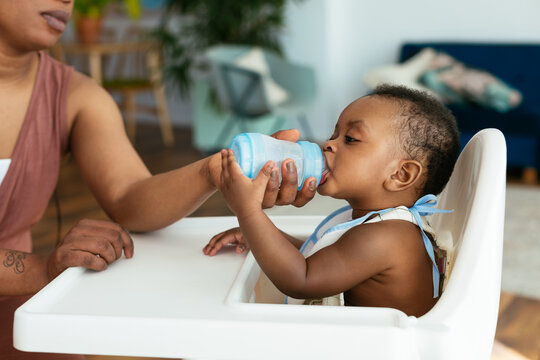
57,19
324,176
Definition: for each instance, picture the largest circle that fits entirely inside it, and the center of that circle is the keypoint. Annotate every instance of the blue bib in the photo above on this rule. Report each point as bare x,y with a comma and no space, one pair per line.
337,222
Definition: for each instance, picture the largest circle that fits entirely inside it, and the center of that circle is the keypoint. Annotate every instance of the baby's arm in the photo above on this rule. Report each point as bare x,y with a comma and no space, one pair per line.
360,254
357,256
244,197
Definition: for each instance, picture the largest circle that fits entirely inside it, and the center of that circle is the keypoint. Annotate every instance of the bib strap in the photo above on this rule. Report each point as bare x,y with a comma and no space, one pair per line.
423,207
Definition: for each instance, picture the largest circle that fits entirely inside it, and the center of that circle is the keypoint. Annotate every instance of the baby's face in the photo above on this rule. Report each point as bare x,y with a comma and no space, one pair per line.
363,150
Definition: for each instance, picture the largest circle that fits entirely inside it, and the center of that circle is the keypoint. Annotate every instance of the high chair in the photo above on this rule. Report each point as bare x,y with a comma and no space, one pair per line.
468,308
462,323
171,301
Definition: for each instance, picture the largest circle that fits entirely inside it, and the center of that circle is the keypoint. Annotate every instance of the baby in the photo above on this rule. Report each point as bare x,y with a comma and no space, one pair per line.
390,152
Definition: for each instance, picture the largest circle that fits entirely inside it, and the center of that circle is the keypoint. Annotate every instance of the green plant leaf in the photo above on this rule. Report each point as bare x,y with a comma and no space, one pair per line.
204,23
133,8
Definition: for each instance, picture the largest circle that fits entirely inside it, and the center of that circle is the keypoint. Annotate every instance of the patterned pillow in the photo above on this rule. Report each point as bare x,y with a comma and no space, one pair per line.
457,83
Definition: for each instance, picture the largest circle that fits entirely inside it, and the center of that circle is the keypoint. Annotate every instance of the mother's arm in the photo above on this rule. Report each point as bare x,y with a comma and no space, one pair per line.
123,185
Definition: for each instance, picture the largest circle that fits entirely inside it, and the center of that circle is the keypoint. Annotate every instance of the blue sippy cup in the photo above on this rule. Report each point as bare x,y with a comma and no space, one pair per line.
253,150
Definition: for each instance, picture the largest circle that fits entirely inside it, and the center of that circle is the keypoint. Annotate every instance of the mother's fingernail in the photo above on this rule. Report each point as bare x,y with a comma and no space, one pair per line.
274,175
312,185
290,166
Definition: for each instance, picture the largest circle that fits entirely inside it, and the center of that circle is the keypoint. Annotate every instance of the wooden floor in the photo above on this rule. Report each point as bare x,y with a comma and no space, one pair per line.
518,329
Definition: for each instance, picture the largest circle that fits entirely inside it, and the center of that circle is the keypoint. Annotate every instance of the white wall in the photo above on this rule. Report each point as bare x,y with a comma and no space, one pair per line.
342,39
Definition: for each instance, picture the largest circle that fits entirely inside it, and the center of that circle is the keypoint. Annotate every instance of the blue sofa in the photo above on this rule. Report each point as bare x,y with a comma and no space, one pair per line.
519,66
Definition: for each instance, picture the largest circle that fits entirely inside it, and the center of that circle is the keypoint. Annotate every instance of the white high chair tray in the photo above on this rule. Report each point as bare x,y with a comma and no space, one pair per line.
170,300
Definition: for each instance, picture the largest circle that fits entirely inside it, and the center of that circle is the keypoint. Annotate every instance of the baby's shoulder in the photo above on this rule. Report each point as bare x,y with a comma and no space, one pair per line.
384,235
373,246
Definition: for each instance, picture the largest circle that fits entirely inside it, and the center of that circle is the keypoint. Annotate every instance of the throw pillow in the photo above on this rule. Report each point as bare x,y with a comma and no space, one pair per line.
406,74
458,83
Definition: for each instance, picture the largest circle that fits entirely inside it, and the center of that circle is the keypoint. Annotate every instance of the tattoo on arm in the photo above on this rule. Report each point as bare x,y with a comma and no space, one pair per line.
15,259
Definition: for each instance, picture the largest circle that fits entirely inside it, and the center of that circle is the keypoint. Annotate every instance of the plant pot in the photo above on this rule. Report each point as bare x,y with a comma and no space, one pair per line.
88,29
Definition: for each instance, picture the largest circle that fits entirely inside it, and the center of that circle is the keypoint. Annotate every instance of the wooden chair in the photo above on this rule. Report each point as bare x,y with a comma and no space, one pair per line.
126,68
137,70
147,79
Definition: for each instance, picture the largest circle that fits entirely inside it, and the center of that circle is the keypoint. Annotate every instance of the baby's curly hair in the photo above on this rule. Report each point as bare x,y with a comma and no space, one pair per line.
428,133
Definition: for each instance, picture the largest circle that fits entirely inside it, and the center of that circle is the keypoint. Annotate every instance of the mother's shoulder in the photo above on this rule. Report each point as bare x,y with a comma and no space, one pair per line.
84,92
81,83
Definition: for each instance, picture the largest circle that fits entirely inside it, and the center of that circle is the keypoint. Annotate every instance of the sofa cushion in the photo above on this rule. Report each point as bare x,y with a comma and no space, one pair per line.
516,121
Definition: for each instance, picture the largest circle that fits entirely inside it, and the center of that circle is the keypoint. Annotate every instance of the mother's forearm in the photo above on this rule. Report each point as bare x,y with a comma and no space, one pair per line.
162,199
21,273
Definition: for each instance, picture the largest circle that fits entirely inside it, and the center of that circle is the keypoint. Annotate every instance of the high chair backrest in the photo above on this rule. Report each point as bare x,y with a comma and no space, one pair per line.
467,310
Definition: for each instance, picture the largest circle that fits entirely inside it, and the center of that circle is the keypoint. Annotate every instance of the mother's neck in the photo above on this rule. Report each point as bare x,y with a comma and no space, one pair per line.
17,68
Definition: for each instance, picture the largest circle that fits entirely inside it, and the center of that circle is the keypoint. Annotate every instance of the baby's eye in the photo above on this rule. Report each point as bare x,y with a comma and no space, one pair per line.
349,139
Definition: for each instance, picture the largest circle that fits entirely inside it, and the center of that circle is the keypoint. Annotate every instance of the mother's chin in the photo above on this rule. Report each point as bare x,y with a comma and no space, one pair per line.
39,40
40,37
45,30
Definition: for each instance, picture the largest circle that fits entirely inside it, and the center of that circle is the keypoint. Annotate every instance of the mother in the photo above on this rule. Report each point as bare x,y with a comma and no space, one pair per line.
48,110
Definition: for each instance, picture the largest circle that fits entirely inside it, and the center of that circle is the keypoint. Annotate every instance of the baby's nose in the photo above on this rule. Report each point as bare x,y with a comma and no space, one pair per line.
329,145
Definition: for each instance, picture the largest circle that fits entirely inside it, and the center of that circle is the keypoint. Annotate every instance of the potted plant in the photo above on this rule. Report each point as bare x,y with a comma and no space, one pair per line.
89,17
190,26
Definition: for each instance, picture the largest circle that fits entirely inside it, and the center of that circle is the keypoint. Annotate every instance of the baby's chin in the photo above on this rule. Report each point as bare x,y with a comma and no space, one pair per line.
323,190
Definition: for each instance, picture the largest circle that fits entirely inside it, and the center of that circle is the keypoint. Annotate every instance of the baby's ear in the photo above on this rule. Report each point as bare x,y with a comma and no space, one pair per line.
408,173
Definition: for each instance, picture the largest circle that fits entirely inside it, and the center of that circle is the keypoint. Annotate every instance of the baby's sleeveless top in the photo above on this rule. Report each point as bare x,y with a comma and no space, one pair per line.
32,175
340,221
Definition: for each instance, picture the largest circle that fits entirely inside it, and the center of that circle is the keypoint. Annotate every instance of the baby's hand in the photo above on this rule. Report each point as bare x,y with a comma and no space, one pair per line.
230,237
243,195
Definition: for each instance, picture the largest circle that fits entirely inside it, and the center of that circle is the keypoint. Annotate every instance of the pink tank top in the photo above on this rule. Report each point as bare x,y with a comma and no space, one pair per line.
35,162
30,182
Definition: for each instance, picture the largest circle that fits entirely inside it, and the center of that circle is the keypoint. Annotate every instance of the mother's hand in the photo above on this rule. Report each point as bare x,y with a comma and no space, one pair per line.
288,193
93,244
